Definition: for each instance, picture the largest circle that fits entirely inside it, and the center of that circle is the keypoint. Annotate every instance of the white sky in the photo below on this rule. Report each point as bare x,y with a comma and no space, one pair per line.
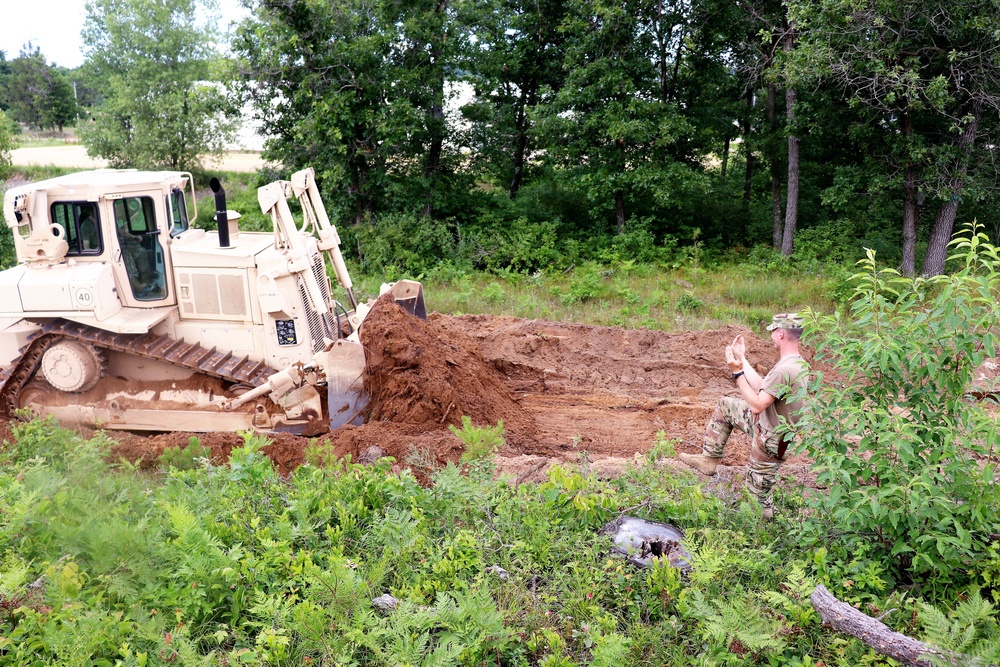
54,26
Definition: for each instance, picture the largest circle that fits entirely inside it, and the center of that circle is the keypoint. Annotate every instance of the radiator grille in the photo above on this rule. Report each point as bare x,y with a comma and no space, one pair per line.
328,319
313,320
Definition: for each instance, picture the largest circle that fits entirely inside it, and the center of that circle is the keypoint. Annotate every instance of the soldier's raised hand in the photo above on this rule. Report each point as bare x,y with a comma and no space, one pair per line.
739,347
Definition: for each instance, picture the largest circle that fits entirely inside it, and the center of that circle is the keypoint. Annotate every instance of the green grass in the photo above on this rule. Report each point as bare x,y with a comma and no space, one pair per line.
643,296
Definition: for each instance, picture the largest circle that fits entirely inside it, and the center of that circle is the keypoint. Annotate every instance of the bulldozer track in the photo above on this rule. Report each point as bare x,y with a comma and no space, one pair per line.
151,346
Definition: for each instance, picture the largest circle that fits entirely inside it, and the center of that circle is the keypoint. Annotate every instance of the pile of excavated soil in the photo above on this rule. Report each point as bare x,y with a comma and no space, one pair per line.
419,374
571,393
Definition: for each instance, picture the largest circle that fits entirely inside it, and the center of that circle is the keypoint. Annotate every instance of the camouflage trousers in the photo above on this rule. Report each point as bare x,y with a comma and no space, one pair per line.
763,464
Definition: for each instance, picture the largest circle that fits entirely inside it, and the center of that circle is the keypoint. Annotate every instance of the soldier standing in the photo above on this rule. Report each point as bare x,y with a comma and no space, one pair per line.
765,403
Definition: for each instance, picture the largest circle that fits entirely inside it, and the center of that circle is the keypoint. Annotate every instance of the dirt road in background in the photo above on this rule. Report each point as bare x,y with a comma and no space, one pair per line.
74,155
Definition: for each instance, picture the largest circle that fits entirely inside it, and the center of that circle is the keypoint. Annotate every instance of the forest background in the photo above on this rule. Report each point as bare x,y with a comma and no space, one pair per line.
584,130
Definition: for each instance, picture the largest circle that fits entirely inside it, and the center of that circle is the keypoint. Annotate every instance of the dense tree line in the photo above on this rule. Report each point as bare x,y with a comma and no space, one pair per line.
505,133
752,121
36,93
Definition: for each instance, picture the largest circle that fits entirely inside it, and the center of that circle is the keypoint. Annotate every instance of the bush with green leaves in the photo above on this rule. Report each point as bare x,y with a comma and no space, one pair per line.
908,454
400,243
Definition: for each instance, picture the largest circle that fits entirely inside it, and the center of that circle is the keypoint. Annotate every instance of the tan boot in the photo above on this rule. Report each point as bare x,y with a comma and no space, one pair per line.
767,514
706,465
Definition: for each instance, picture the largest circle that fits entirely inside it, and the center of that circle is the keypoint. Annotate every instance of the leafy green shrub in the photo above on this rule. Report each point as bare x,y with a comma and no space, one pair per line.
663,447
908,457
494,293
688,302
637,244
586,284
402,242
517,245
184,458
763,260
481,442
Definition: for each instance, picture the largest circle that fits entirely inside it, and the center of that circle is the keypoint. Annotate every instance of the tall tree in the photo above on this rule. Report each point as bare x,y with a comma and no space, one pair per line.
35,92
925,71
154,59
357,89
614,126
7,129
514,63
794,166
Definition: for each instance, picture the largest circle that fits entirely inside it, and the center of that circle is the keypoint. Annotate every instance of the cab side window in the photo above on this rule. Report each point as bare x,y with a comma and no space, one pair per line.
178,212
82,224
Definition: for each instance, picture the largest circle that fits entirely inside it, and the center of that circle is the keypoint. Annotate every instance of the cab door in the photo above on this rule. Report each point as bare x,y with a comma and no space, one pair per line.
138,253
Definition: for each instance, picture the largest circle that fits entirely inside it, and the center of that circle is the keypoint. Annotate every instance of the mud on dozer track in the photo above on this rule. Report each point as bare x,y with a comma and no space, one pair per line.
564,391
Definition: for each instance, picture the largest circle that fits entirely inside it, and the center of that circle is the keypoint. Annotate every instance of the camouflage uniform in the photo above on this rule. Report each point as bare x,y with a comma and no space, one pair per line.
786,383
763,464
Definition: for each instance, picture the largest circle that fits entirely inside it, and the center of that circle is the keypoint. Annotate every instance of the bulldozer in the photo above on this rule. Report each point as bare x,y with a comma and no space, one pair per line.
121,314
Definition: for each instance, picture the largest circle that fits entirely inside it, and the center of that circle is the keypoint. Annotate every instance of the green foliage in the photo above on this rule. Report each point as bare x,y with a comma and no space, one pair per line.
184,458
232,564
7,131
587,283
688,302
518,245
401,243
152,59
480,442
970,631
908,458
764,291
663,447
36,93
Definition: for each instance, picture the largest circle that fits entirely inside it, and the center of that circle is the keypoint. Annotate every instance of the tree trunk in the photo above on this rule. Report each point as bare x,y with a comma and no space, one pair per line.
677,63
751,160
661,49
910,215
777,220
436,121
725,156
620,210
944,221
435,118
908,267
842,617
792,204
527,99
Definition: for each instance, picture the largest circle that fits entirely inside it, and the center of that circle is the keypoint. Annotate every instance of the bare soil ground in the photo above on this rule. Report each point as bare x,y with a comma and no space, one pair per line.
565,392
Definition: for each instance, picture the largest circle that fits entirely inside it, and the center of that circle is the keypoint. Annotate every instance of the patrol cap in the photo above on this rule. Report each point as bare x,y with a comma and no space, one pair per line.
786,321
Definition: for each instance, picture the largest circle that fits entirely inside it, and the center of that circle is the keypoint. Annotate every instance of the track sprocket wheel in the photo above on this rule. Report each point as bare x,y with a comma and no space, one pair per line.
73,366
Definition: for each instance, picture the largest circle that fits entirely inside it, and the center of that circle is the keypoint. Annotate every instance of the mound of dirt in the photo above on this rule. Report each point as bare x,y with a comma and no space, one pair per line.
422,375
565,392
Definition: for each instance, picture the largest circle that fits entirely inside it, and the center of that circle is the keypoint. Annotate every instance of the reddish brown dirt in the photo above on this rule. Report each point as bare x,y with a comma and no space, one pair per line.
565,392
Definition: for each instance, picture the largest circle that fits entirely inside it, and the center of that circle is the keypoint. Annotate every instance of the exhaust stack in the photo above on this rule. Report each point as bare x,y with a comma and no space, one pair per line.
221,215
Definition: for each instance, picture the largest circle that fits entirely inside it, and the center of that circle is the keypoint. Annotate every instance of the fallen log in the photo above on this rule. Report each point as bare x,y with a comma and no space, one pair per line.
842,617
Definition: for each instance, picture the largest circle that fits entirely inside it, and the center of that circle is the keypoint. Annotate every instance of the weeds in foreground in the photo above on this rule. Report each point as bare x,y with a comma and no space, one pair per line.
234,565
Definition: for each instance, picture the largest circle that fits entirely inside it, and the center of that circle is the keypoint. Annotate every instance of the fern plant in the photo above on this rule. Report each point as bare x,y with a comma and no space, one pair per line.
968,636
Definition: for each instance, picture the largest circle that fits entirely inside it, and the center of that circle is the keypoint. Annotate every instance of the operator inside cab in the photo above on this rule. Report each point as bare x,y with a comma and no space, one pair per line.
138,237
